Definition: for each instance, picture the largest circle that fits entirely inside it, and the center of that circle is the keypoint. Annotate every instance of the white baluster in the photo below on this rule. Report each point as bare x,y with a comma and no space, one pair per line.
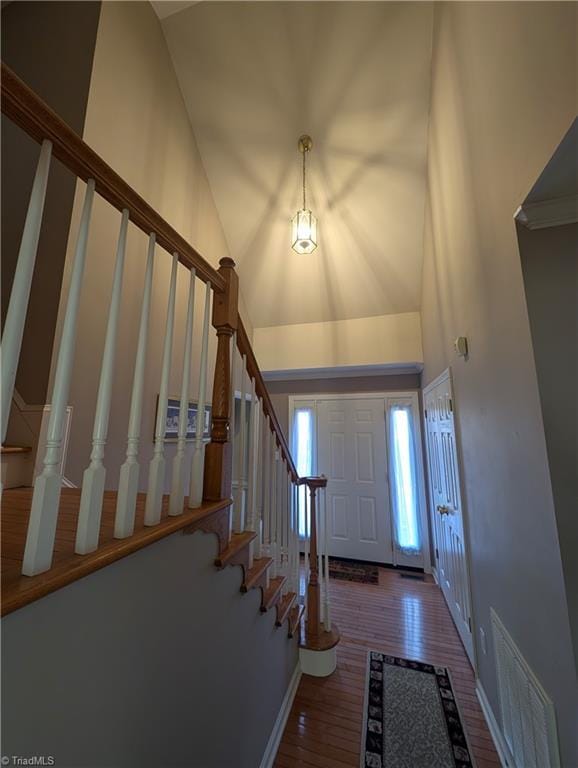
290,540
279,511
259,470
157,464
20,294
239,509
305,506
232,427
89,514
253,443
307,542
46,496
320,540
296,559
265,501
273,507
129,472
286,568
326,548
290,552
198,462
177,497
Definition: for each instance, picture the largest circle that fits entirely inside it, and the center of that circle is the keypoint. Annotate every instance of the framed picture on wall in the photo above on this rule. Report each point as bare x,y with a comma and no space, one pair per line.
172,417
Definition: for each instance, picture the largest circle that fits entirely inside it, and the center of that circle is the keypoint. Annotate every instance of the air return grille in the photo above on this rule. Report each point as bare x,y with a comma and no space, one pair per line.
528,719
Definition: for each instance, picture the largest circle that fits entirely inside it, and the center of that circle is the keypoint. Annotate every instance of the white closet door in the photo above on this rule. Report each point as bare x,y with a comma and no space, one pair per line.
444,474
352,455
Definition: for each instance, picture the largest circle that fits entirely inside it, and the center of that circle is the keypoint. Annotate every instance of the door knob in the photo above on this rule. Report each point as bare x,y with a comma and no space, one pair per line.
442,509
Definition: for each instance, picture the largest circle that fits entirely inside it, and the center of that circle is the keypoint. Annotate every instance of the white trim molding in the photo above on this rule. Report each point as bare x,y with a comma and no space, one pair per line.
311,401
506,758
318,663
548,213
343,372
281,721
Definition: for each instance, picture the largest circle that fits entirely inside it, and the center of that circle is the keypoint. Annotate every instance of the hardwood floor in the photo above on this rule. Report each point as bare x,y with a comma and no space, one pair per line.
403,617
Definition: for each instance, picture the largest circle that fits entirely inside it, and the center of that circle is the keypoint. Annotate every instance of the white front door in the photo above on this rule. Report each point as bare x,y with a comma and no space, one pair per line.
352,455
447,515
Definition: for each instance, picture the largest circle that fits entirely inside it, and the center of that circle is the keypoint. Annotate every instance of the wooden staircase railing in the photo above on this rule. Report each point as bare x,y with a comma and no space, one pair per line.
243,484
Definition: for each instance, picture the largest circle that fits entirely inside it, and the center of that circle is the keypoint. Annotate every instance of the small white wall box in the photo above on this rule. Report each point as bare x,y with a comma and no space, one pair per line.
461,346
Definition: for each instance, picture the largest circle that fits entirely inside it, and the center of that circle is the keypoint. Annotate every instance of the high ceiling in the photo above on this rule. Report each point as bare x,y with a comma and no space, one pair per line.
356,77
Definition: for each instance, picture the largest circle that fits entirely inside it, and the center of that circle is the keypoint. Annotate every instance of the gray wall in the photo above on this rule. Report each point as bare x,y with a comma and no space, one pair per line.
495,67
157,660
281,390
51,47
550,268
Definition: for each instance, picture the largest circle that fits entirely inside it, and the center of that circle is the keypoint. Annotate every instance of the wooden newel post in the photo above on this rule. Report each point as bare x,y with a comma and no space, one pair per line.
313,627
219,454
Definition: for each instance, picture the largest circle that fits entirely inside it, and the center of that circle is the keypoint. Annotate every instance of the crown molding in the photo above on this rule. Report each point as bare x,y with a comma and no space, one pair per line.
343,372
548,213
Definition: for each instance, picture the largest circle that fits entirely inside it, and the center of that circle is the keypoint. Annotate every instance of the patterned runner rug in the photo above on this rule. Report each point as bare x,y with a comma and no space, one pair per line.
351,570
411,718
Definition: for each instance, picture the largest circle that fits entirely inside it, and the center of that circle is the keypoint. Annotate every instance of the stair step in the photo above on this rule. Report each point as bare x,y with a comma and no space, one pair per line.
235,551
295,619
16,449
272,594
284,606
19,590
256,576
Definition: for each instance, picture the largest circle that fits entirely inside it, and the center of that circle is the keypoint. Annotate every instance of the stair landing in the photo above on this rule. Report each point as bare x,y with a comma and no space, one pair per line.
19,590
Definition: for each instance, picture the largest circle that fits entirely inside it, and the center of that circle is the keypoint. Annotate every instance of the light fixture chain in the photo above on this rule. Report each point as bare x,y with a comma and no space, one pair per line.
304,172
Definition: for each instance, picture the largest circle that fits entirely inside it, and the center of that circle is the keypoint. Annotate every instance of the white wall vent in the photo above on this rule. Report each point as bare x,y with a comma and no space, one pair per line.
528,719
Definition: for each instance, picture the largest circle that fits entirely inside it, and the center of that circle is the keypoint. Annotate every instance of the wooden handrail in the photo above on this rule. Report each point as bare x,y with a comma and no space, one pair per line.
244,346
25,109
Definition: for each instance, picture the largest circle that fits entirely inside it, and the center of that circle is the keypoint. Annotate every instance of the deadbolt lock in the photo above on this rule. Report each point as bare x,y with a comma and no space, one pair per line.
442,509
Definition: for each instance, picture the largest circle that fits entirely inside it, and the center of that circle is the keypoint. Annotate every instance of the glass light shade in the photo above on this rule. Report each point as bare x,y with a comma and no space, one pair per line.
304,232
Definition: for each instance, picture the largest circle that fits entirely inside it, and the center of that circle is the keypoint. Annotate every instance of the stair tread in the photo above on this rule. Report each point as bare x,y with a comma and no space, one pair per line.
295,619
284,607
16,449
238,542
260,565
273,592
18,590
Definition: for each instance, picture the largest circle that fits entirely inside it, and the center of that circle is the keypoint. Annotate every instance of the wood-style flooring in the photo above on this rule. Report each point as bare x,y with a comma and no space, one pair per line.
402,617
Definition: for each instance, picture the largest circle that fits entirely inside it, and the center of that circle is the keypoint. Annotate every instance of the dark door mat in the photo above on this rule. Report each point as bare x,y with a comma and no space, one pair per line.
352,570
415,576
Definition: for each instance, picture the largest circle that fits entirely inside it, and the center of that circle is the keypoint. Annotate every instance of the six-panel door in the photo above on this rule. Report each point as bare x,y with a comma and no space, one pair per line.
352,455
447,509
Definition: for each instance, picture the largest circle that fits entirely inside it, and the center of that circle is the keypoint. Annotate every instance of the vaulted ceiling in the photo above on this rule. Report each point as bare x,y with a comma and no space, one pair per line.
356,77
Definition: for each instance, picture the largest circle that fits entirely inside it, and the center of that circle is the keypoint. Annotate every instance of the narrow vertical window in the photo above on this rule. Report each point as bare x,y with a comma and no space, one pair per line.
302,450
403,479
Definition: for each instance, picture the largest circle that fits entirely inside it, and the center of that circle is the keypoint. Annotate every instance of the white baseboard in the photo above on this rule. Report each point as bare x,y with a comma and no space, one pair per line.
434,573
501,747
281,721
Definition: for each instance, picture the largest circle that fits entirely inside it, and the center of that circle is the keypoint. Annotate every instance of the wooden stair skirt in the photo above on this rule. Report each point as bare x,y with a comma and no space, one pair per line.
213,517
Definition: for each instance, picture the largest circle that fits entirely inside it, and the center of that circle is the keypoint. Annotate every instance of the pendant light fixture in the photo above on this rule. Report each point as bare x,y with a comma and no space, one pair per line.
304,223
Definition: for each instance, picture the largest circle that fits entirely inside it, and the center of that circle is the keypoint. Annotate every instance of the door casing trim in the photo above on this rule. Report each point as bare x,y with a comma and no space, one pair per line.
446,375
311,401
